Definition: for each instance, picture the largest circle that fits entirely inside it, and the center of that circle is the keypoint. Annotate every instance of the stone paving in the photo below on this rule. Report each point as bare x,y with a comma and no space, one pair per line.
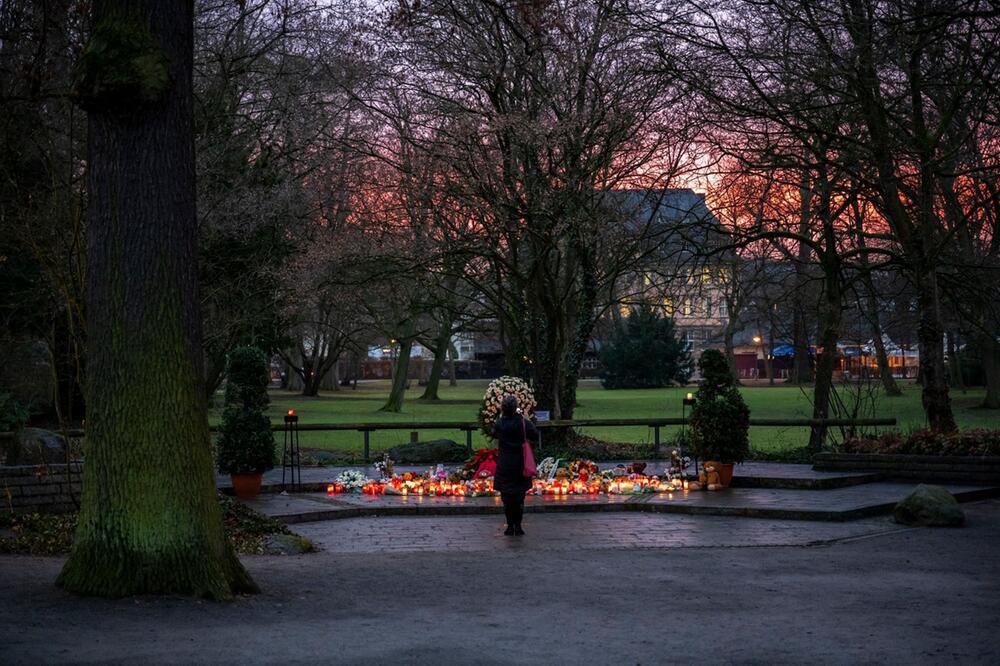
577,532
578,589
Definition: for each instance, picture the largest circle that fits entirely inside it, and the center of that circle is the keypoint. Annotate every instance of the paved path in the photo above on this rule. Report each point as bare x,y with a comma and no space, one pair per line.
558,596
576,532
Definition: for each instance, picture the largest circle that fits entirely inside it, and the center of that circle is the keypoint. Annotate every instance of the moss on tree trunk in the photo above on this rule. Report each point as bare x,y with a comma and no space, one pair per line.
149,521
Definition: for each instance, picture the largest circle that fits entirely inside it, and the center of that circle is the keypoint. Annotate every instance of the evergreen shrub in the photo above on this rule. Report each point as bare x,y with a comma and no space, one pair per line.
720,419
246,442
645,352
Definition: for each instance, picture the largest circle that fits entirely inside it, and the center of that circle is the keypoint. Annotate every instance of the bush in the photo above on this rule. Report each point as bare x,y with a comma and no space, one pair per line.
926,442
720,420
246,442
13,415
644,352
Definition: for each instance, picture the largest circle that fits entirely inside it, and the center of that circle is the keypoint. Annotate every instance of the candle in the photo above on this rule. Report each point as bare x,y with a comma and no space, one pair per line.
330,489
690,396
685,485
291,412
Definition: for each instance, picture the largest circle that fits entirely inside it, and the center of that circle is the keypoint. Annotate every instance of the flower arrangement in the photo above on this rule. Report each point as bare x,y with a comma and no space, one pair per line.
495,392
546,467
352,480
481,456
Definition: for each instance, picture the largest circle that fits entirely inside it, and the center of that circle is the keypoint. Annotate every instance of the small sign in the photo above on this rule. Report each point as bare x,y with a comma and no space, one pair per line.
541,416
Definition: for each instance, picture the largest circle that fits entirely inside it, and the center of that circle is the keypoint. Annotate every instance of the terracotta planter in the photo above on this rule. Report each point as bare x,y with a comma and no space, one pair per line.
726,474
246,486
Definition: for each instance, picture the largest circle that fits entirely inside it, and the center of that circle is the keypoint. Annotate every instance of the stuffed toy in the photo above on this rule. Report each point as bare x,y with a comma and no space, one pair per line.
709,477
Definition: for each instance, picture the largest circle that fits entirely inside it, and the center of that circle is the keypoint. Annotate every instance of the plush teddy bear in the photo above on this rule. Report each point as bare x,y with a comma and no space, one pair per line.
709,477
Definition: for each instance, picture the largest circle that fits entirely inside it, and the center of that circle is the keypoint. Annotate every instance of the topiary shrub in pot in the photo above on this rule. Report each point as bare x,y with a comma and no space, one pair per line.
245,447
13,416
720,419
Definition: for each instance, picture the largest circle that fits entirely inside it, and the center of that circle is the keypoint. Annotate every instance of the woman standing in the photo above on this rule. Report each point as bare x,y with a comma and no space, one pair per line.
510,431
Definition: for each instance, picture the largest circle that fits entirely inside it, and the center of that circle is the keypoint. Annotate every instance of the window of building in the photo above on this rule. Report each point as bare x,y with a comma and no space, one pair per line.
723,308
686,307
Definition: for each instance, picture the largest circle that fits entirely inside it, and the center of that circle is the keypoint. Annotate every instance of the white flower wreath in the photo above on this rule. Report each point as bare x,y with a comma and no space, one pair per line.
493,398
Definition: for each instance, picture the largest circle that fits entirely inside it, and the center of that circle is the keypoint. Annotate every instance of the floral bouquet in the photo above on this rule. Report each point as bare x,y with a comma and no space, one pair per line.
352,480
481,456
493,398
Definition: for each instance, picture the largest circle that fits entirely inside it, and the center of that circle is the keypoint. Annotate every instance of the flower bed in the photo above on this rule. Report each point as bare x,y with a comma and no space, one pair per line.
971,442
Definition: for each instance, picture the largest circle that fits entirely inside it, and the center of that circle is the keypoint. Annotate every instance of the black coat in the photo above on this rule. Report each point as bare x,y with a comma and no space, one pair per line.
510,436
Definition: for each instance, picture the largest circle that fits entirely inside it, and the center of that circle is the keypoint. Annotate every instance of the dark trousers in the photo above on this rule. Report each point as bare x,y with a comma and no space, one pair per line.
513,508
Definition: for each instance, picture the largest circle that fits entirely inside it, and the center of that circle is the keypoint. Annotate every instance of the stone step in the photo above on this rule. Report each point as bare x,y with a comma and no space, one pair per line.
836,504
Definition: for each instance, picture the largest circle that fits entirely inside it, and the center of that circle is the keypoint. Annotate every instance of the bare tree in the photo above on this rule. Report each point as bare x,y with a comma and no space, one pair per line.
540,110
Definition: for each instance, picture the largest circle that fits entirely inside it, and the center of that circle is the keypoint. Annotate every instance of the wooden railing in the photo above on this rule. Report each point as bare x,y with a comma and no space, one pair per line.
469,427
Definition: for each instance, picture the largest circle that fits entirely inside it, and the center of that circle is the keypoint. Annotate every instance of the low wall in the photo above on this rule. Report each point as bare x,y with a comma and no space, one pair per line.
961,469
42,488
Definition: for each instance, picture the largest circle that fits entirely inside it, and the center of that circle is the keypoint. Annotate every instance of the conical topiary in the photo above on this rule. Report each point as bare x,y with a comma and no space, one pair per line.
246,442
720,419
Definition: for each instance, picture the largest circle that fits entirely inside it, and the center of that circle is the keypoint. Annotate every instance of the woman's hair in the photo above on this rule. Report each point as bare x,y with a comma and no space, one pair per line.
509,405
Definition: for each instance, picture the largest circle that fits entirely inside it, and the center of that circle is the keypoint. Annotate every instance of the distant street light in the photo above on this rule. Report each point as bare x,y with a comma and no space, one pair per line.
757,341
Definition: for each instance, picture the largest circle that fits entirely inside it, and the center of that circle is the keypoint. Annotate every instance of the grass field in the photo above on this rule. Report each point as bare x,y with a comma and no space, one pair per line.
461,404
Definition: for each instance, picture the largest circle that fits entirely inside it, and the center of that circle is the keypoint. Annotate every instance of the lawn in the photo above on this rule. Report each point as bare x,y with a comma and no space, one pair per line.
460,403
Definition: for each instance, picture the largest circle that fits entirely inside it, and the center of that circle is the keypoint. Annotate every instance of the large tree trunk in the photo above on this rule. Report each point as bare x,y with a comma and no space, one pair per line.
889,384
954,363
398,391
830,318
991,370
930,337
801,368
728,335
437,368
452,352
150,522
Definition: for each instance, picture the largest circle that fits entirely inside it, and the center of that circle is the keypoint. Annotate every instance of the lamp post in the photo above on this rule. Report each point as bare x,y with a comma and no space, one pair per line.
688,401
291,457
